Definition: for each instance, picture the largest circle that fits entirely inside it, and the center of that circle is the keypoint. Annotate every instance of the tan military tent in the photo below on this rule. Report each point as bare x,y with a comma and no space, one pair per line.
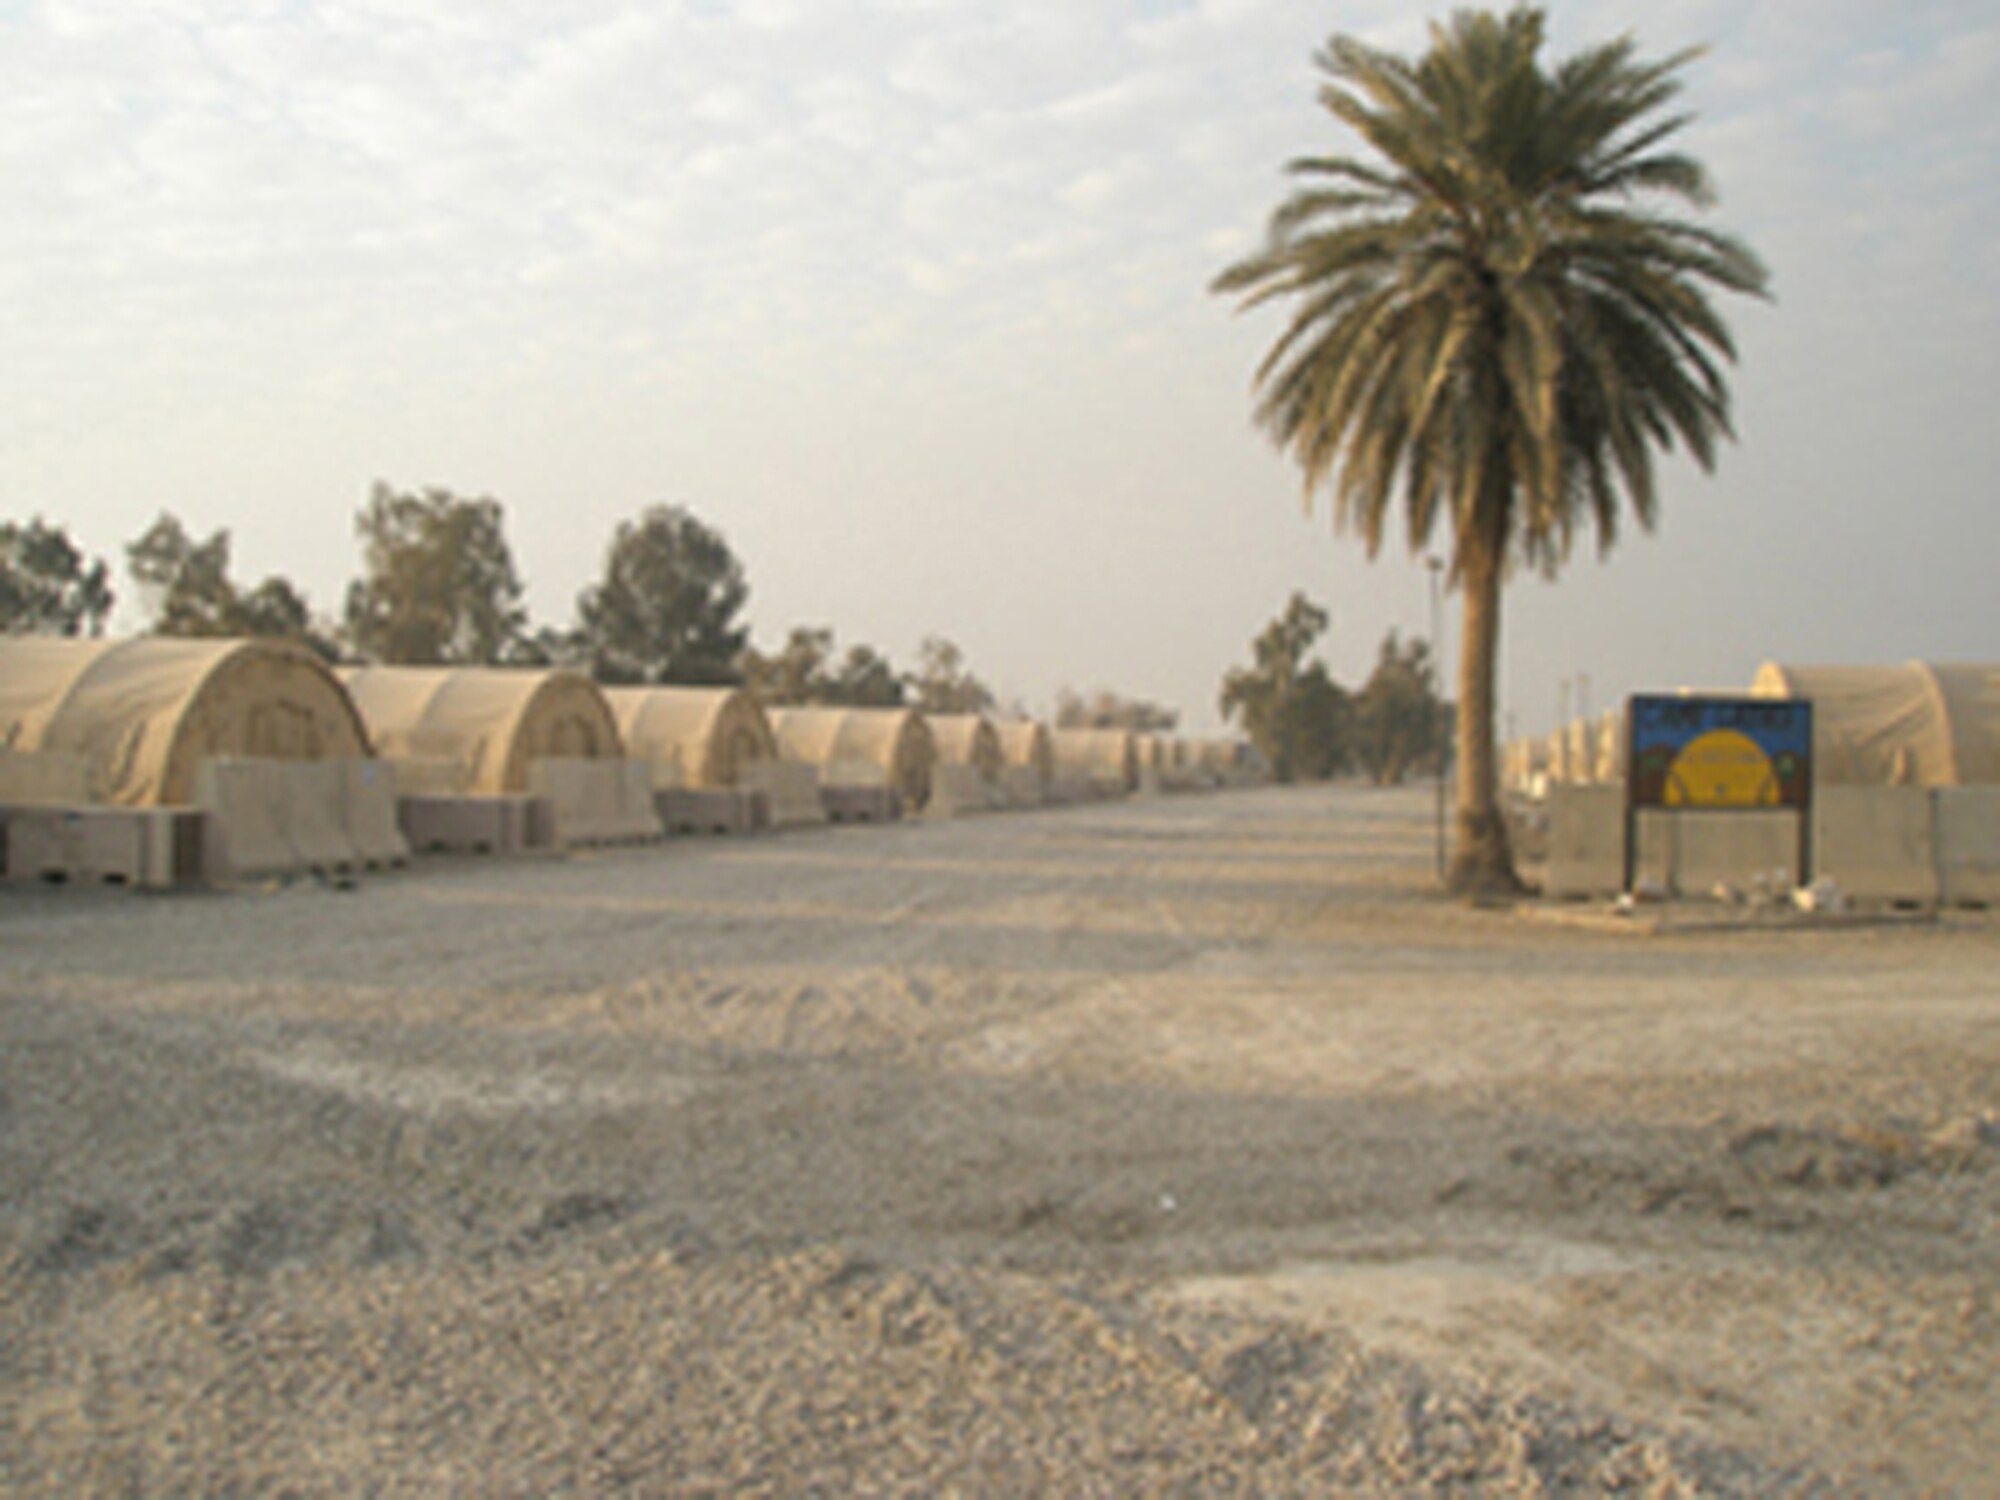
143,713
1581,753
1522,763
1556,758
1026,742
847,744
1609,743
968,740
1917,724
476,730
697,737
1109,757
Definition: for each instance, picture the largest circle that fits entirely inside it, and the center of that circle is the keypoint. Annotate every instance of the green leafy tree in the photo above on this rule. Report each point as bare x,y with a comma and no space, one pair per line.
666,609
796,673
1103,709
805,671
942,684
1495,321
552,646
186,587
275,608
438,581
1400,726
46,586
864,680
183,583
1294,712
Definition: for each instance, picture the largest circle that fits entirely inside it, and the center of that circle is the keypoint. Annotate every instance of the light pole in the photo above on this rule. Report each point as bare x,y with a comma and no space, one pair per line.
1436,567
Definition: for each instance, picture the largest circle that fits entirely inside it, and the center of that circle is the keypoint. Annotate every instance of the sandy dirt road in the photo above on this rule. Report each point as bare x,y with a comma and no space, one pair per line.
1182,1146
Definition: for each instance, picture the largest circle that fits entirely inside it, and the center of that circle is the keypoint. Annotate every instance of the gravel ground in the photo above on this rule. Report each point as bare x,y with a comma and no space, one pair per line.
1181,1146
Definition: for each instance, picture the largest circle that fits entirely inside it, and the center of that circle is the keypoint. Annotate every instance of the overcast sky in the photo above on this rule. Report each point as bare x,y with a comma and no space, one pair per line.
907,297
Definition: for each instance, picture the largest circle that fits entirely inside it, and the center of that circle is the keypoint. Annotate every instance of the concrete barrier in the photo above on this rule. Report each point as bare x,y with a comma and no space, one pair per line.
1686,852
248,818
368,808
153,848
1691,852
848,803
312,812
1586,842
858,791
1022,786
475,825
43,778
597,801
958,790
181,846
790,790
717,810
1966,834
1071,785
276,816
76,845
1876,843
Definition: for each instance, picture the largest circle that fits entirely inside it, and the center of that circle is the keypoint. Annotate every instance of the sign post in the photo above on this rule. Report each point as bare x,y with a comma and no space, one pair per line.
1707,754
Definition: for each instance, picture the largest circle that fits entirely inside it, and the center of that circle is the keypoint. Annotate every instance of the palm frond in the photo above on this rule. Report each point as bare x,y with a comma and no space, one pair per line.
1490,312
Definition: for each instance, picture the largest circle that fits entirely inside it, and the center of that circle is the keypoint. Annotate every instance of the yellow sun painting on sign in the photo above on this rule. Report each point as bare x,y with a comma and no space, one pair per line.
1722,768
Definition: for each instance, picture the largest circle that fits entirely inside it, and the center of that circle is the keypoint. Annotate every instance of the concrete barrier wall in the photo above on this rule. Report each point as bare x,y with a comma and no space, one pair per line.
311,798
1876,842
1022,786
43,778
1688,853
249,821
1967,833
475,825
78,845
1072,785
151,848
861,804
597,801
959,790
1900,845
276,817
1065,787
1691,852
1586,842
791,789
368,807
719,810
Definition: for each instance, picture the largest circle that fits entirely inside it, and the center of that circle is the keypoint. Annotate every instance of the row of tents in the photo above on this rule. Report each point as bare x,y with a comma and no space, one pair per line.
1917,724
253,756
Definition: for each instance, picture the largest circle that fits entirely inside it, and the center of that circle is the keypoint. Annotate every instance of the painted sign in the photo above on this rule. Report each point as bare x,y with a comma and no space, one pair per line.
1719,752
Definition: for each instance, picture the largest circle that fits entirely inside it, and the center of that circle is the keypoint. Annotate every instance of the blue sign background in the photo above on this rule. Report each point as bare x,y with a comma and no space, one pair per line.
1660,728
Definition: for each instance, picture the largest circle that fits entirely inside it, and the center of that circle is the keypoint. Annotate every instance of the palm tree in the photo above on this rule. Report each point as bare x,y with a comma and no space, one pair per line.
1492,322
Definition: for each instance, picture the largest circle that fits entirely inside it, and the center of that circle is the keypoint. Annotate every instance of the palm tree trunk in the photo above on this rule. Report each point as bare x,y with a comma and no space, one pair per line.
1482,861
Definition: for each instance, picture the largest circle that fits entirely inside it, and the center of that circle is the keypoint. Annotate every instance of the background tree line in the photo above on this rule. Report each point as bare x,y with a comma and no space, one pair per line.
439,586
1310,728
